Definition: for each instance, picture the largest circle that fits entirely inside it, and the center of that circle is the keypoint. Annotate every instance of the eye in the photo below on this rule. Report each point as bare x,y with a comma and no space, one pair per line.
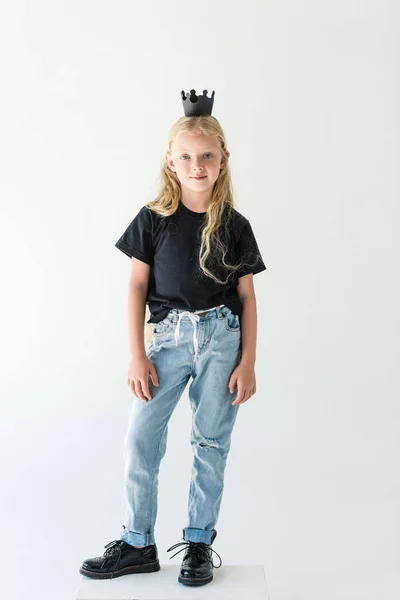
206,154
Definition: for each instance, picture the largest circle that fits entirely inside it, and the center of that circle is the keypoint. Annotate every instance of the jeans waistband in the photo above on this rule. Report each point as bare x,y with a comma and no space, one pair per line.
217,312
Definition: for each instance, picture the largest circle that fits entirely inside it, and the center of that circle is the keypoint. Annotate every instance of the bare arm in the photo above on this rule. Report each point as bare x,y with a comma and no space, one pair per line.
244,376
137,293
248,321
136,312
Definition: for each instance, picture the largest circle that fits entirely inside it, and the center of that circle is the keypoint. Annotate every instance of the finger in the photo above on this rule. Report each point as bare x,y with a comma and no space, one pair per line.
145,388
154,377
139,392
239,397
245,397
232,385
238,400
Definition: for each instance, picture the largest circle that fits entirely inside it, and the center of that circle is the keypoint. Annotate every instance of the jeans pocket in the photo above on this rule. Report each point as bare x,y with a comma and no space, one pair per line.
162,327
232,322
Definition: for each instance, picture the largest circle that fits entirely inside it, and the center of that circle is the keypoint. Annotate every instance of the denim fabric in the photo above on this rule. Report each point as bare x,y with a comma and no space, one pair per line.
204,345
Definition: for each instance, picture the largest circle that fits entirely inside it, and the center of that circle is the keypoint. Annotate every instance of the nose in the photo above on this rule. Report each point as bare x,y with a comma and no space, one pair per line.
196,165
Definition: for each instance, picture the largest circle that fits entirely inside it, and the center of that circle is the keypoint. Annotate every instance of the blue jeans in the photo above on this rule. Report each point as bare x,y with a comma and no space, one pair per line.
205,345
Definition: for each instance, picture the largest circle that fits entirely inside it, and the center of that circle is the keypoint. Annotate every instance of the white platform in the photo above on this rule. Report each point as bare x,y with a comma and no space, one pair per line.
231,582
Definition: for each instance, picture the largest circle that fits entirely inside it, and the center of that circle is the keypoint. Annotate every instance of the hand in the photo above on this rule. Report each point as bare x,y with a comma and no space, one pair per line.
245,378
139,371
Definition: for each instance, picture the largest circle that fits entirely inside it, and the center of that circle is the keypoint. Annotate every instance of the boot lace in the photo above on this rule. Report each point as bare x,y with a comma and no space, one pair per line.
198,548
113,551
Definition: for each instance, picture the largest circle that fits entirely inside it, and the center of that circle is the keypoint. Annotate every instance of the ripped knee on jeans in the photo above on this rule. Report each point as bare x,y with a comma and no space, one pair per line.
209,443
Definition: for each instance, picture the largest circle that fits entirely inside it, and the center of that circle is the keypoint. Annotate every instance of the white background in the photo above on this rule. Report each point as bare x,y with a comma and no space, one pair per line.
307,94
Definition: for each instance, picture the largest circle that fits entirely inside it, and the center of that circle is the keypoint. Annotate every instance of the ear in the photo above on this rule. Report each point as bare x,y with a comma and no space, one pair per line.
170,162
225,157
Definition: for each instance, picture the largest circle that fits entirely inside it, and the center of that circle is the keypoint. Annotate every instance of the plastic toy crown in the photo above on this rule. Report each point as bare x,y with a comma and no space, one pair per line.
194,105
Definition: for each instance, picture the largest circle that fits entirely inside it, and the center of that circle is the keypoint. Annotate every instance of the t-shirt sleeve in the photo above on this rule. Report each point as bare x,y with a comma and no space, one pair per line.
137,239
248,253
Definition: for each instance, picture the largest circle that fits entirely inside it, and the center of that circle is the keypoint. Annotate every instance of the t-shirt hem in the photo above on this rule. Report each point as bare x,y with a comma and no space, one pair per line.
254,271
133,253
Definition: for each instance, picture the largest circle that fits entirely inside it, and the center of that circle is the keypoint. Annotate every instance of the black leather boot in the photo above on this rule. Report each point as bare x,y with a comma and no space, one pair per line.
121,558
197,564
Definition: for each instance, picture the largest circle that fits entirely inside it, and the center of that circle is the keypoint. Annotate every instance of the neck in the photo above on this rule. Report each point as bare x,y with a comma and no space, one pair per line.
196,201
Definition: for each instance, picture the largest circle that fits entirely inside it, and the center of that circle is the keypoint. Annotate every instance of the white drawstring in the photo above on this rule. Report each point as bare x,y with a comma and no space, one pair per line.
194,319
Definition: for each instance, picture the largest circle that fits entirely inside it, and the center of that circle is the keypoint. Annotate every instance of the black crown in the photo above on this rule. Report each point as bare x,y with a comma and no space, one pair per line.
194,105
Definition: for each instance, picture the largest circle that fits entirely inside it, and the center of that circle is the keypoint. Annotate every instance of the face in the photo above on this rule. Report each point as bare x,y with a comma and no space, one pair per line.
193,156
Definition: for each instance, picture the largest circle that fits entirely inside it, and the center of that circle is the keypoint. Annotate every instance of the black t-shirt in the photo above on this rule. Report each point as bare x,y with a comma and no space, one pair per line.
171,246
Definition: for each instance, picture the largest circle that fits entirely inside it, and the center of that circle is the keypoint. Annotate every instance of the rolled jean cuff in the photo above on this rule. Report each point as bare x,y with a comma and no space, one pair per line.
192,534
137,539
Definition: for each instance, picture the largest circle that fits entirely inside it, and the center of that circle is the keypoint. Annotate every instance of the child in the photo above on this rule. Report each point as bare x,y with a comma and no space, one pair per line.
193,260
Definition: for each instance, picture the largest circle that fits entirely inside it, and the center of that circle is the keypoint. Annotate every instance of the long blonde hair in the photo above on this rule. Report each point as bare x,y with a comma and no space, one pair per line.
214,240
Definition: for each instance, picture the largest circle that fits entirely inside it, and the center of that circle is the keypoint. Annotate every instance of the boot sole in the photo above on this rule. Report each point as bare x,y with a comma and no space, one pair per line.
195,581
143,568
